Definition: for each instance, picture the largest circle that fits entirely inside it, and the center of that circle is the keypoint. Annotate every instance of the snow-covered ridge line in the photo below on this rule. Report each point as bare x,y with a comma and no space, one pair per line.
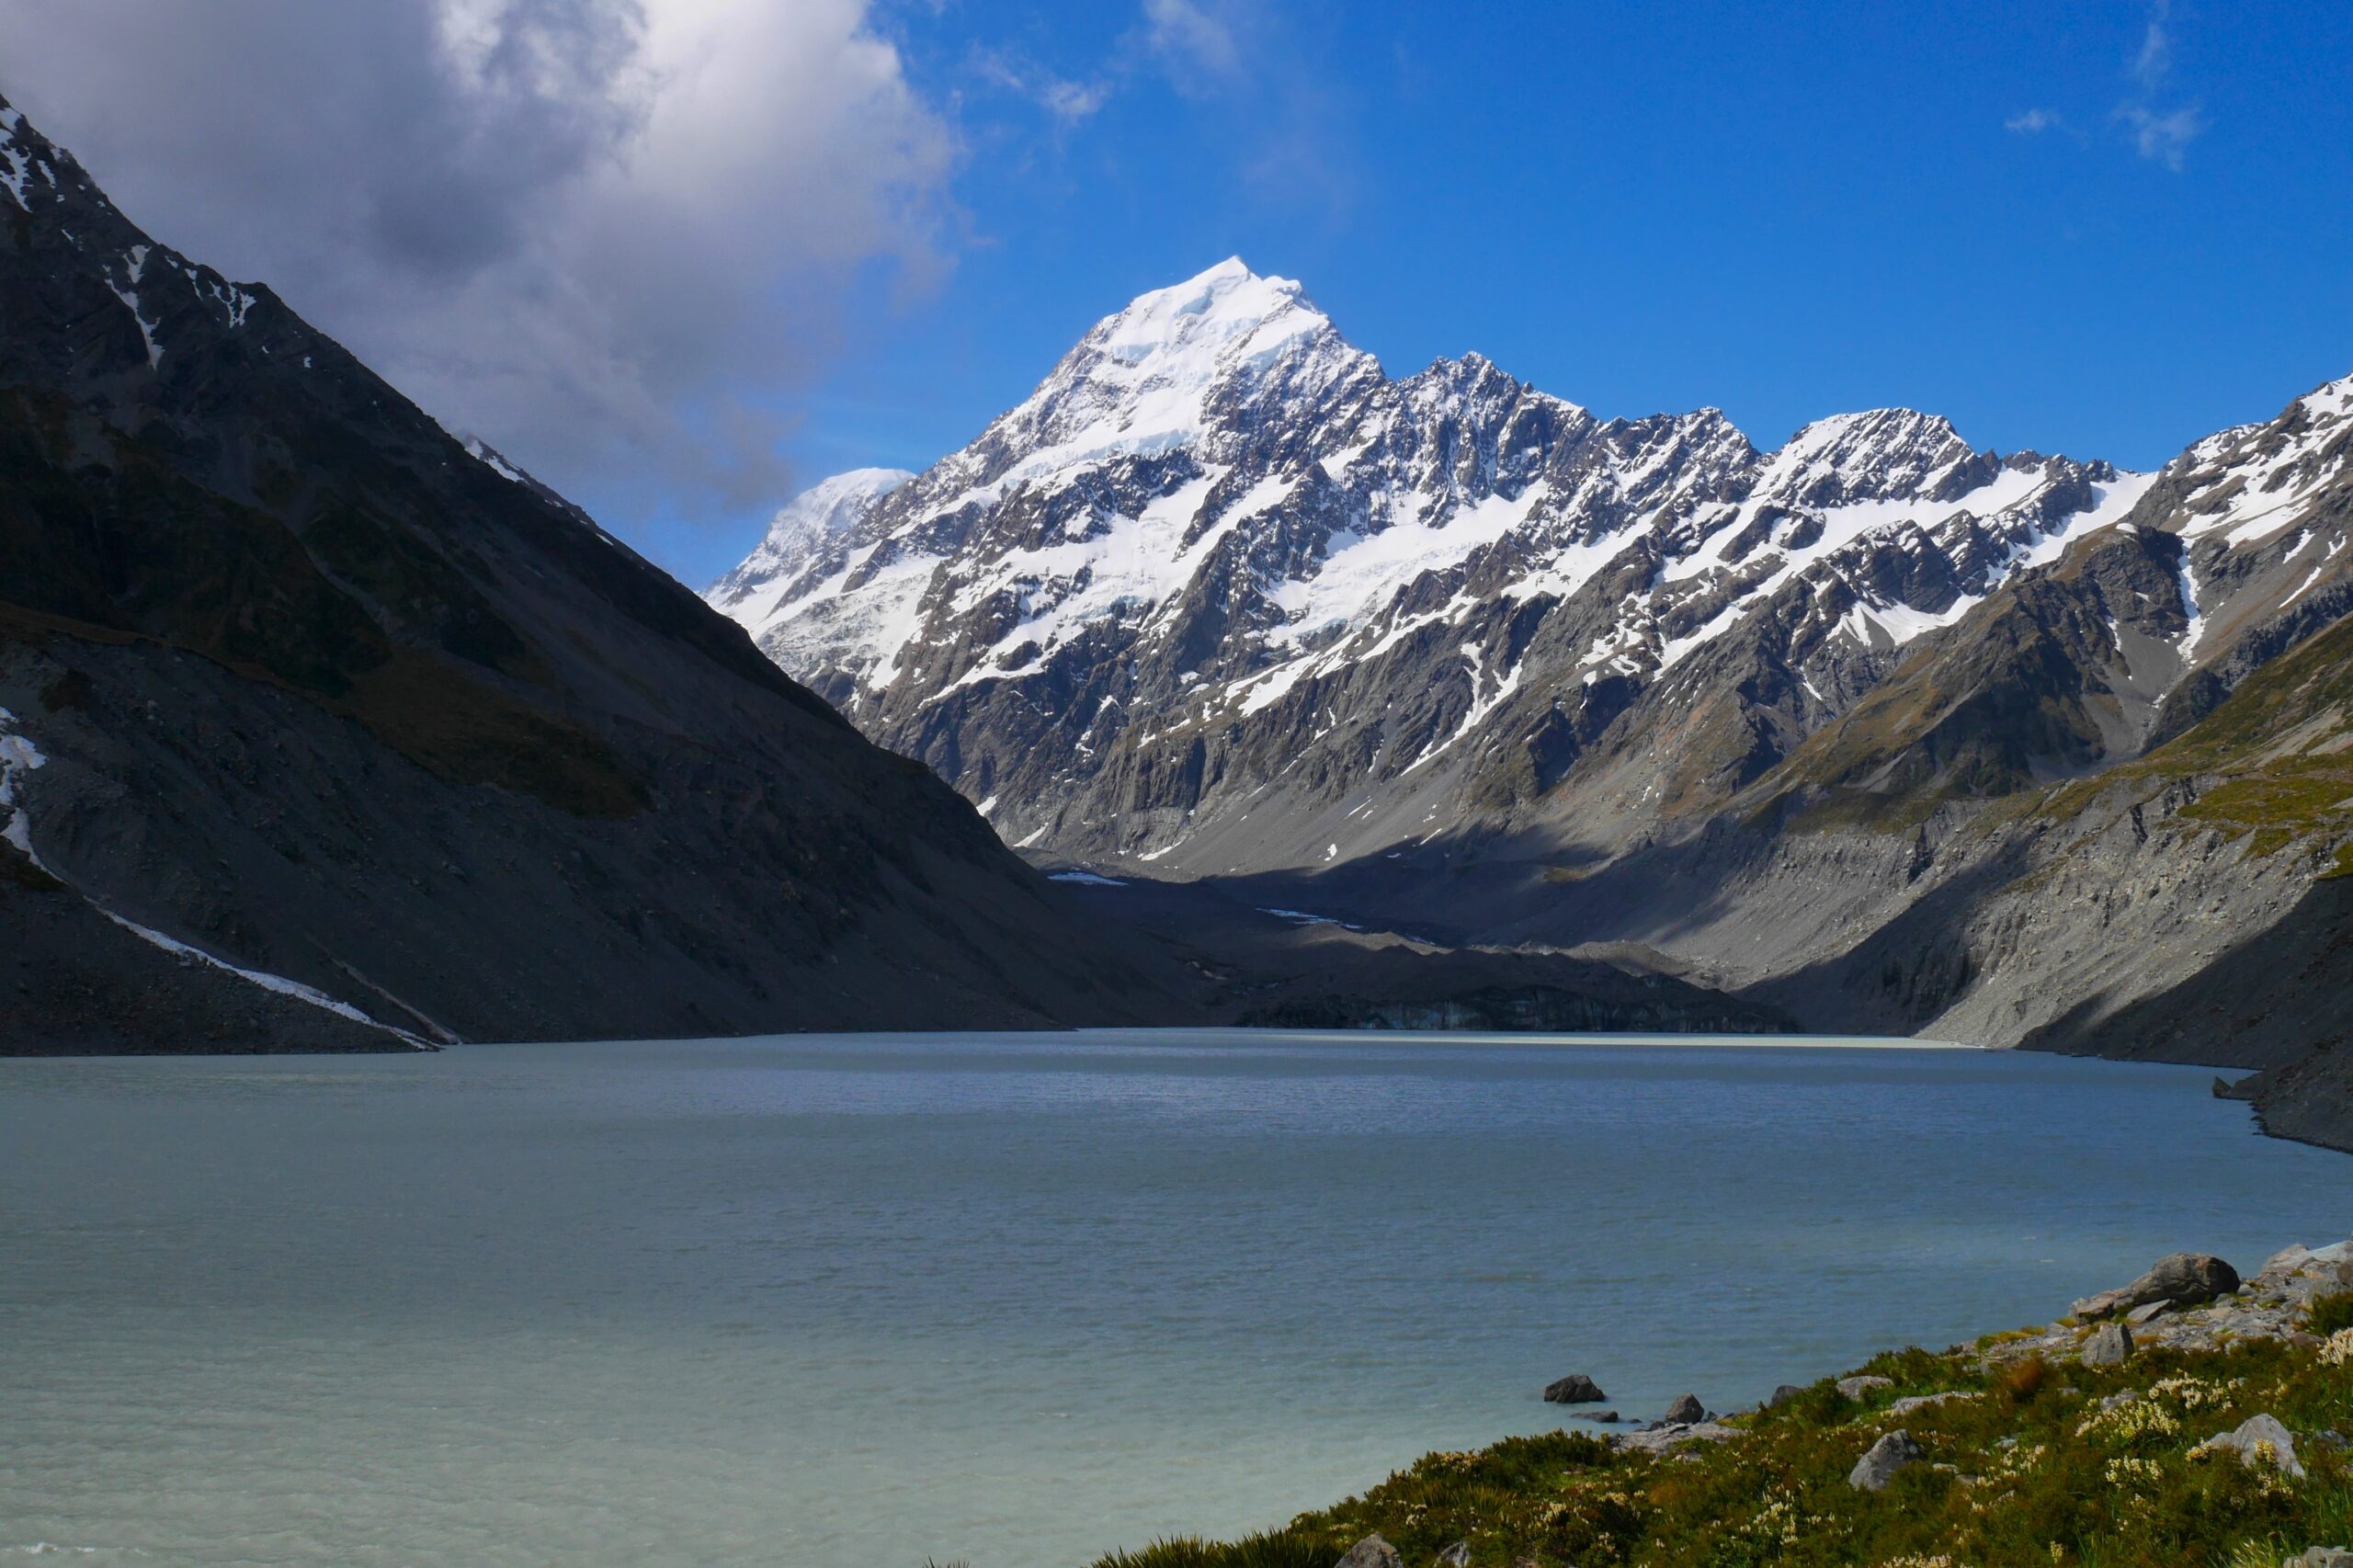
1193,370
1219,550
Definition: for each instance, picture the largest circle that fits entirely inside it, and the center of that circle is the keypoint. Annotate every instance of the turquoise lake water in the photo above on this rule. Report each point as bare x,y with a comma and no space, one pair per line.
843,1302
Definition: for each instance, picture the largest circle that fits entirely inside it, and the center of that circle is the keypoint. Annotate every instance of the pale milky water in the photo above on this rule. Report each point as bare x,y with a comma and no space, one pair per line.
857,1301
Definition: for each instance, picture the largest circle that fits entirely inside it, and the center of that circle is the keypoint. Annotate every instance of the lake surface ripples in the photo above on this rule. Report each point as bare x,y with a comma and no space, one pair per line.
850,1301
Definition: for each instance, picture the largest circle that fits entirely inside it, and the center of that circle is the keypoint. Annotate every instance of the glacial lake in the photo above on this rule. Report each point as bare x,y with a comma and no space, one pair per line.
859,1301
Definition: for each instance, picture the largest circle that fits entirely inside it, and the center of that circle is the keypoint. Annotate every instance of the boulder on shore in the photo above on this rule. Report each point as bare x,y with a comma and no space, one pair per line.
2108,1346
1372,1551
2258,1440
1884,1458
1862,1384
1686,1411
2183,1279
1574,1389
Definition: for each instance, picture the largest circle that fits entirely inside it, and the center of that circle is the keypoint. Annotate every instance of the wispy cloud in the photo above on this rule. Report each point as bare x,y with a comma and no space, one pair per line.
2149,66
1067,99
2160,134
1196,43
2162,138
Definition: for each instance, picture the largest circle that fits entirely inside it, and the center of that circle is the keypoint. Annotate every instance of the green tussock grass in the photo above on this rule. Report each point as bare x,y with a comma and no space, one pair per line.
2027,1471
2266,749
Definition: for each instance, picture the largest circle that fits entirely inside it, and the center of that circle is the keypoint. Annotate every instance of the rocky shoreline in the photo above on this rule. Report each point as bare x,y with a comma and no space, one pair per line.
2188,1417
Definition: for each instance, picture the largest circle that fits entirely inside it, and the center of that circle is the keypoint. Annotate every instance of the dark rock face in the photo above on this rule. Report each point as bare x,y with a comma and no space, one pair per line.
1574,1389
1686,1410
303,685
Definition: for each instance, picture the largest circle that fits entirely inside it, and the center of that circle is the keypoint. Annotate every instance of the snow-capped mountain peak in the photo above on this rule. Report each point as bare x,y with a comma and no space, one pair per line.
1190,331
1175,367
1219,564
1880,454
826,511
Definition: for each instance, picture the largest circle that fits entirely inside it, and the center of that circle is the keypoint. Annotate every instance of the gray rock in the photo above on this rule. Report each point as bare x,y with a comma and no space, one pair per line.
2107,1303
1862,1385
2181,1278
1574,1389
2282,1265
1455,1556
2258,1440
1883,1459
1923,1401
1663,1438
1606,1417
1783,1394
1372,1552
2147,1312
2108,1346
2321,1557
1686,1411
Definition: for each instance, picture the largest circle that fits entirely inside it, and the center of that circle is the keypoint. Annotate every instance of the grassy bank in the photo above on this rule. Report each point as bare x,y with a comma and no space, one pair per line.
2037,1460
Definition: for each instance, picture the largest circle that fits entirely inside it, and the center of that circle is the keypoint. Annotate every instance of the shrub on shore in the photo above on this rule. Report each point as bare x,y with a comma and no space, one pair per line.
2026,1462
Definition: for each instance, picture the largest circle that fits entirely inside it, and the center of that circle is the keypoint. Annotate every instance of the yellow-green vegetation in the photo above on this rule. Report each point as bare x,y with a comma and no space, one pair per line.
2330,1314
2279,751
2039,1463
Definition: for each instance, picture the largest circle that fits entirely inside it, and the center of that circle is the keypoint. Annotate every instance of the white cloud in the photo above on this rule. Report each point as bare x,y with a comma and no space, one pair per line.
1069,102
2162,138
2033,122
2161,135
2155,58
1197,45
602,232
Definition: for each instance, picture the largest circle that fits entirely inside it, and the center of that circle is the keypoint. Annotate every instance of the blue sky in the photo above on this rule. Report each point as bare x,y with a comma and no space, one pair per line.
2101,228
682,257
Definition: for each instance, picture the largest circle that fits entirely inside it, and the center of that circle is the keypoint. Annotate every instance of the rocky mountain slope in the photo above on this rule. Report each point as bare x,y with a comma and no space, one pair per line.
317,726
1884,730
